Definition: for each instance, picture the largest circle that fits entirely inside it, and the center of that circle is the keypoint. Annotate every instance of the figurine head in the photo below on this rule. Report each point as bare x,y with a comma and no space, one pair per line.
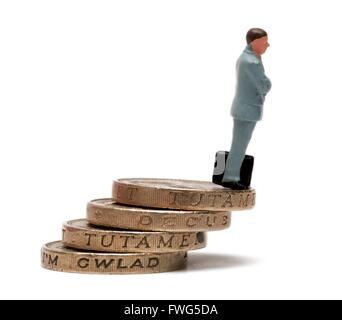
258,40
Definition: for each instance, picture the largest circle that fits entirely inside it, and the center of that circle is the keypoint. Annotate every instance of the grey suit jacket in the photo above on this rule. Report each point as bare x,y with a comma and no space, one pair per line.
251,87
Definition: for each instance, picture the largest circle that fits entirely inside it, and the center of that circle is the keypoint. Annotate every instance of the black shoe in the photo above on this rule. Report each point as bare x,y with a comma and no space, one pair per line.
234,185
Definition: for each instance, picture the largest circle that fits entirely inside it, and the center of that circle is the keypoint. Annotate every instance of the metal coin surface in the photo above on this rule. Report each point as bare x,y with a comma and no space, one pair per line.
55,256
80,234
105,212
181,194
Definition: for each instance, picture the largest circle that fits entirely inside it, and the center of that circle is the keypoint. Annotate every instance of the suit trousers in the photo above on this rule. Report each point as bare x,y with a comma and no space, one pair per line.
242,133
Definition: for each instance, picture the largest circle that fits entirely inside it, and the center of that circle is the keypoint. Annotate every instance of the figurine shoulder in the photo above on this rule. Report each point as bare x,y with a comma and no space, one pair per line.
249,59
249,63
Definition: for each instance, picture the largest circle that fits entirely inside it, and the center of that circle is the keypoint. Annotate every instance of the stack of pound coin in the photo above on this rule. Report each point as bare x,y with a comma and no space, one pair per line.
148,226
86,248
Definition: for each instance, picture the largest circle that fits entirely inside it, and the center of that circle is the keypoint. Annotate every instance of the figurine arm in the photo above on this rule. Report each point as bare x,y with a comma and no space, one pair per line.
257,75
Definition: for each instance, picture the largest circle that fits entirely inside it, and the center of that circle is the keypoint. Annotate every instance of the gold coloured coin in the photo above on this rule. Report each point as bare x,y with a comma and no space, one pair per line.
55,256
80,234
181,194
105,212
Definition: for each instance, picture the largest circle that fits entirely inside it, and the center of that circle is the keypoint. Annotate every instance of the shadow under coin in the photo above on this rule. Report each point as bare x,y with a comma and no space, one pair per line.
202,261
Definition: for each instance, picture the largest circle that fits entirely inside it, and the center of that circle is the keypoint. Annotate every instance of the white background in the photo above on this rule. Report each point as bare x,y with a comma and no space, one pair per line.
92,91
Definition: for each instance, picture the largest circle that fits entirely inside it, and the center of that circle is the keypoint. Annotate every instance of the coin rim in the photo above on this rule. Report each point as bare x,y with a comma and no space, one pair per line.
79,229
46,248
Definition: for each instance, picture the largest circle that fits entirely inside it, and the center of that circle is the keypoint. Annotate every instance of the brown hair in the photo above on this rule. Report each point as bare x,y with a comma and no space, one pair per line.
255,33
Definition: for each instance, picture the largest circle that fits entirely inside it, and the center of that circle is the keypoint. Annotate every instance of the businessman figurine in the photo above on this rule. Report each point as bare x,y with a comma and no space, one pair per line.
251,89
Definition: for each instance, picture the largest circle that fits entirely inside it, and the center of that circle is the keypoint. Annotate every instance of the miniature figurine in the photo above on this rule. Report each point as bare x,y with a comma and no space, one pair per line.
251,89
